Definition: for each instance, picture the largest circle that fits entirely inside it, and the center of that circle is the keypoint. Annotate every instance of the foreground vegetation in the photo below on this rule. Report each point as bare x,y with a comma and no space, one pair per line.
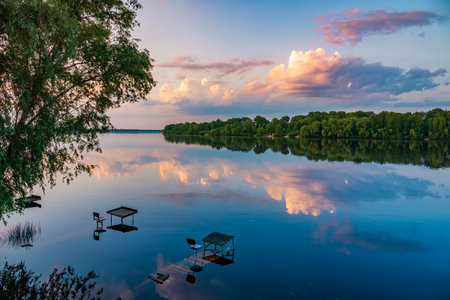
18,282
434,124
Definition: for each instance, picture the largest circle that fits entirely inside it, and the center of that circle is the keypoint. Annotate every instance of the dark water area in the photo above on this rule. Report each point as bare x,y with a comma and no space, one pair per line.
311,219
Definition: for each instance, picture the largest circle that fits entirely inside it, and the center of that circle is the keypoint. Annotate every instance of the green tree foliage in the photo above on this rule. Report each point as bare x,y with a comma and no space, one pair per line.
433,154
16,282
260,121
433,125
63,65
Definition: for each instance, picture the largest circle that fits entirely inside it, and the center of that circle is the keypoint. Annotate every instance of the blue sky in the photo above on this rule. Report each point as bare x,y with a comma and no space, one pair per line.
221,59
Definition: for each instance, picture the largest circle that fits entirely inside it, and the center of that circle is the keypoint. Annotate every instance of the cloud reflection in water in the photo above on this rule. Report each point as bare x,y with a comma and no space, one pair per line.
305,188
346,236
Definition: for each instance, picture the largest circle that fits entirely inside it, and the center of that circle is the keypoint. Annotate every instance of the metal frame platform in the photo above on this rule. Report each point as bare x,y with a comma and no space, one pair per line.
122,212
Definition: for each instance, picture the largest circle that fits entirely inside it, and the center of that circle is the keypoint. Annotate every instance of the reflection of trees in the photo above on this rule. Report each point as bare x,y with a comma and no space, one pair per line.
431,154
16,282
36,161
59,76
28,166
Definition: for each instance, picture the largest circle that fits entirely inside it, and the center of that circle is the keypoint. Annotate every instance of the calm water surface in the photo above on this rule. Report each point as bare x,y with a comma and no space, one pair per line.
303,229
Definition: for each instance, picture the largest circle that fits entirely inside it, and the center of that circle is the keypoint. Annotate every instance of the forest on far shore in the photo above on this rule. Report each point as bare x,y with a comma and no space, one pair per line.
434,124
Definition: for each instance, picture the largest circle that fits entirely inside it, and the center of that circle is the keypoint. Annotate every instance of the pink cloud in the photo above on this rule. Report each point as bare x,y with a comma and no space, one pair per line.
309,77
319,74
351,26
180,76
224,68
204,89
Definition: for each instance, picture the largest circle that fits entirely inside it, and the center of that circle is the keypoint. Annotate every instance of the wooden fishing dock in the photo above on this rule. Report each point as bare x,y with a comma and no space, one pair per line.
195,263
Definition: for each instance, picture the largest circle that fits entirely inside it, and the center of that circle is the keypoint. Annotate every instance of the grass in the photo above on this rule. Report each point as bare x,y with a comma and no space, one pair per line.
22,234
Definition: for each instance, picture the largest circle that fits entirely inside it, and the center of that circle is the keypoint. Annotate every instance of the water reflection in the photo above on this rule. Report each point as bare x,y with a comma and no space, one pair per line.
430,154
121,212
189,287
33,158
301,192
97,232
179,280
21,235
306,229
344,236
307,189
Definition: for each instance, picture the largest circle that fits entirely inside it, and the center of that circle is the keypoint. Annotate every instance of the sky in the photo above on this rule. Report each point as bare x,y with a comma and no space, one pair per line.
223,59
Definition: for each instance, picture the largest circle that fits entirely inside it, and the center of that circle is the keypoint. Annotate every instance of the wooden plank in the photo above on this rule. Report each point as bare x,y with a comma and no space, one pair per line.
198,262
183,267
174,269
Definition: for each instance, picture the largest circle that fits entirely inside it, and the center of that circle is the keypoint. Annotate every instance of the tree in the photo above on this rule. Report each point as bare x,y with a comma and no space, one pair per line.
437,128
227,130
260,131
434,124
260,121
17,282
248,128
63,65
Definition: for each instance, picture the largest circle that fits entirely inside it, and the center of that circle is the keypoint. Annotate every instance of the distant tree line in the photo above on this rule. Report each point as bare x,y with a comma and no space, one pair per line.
434,124
433,154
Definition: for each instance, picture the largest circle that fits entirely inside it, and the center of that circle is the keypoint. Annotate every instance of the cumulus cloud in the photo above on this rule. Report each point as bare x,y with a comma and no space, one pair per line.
314,78
196,89
233,65
349,27
319,74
